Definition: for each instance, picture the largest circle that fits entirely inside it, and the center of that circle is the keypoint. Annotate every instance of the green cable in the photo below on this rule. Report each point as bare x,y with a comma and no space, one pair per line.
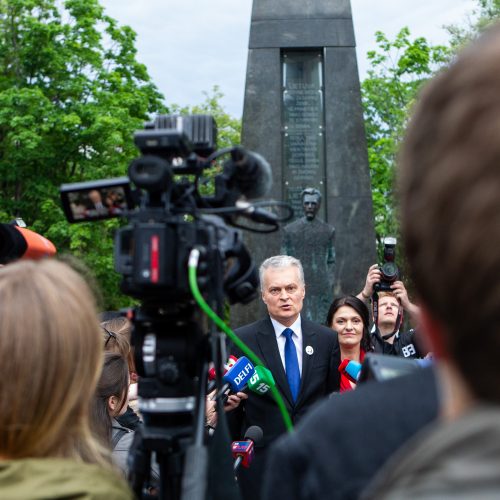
192,267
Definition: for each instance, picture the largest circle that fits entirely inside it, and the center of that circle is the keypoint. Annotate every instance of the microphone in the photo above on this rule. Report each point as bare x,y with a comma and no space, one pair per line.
261,381
249,172
237,377
20,243
243,451
211,373
351,369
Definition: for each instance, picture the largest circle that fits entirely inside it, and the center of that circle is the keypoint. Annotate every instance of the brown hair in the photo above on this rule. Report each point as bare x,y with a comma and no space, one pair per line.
449,187
113,381
51,355
116,334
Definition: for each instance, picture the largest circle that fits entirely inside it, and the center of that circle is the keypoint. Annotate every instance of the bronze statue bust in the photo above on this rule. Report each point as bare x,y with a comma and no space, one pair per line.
311,240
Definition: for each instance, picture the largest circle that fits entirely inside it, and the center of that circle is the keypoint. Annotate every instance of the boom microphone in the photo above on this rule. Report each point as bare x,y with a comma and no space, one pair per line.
20,243
243,451
249,172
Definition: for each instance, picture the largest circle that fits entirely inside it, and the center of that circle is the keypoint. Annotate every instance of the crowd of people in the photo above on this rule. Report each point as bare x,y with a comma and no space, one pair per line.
68,416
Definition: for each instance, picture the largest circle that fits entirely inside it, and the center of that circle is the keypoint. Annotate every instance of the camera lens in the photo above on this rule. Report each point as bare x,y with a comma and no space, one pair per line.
389,271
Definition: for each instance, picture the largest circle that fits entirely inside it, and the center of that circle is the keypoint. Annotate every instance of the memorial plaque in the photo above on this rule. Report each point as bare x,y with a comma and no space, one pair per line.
302,125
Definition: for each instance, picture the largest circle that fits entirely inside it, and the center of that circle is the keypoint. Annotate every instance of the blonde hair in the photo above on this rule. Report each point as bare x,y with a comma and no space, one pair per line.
51,356
386,293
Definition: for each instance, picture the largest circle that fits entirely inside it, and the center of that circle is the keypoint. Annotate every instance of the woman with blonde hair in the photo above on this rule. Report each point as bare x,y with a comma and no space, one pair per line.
51,355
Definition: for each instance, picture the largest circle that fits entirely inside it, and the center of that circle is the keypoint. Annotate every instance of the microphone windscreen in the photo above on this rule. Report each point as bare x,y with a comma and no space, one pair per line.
254,433
250,173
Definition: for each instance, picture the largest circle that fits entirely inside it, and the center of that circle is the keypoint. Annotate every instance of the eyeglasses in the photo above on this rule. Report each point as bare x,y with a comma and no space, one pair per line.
110,335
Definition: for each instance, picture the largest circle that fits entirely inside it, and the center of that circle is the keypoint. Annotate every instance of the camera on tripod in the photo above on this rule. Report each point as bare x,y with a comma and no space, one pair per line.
389,269
168,219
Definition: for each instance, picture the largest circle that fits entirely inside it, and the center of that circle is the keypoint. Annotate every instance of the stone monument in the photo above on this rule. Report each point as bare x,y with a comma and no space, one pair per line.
302,112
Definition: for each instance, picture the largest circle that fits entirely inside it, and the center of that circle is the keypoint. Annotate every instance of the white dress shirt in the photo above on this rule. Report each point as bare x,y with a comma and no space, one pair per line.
296,337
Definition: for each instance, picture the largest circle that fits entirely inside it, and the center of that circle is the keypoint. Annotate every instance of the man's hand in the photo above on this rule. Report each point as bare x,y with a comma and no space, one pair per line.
234,400
374,275
210,411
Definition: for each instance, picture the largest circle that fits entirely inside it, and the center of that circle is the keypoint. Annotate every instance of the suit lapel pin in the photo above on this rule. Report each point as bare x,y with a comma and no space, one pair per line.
309,350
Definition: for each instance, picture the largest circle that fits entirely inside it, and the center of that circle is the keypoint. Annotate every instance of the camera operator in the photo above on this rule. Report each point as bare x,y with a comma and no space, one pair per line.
388,309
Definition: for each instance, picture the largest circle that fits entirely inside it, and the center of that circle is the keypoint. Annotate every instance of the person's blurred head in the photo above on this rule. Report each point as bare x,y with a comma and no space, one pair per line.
51,354
111,396
449,184
350,318
95,196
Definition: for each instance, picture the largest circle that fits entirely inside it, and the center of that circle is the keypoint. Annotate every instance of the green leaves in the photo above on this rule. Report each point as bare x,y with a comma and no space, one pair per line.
228,127
71,95
398,70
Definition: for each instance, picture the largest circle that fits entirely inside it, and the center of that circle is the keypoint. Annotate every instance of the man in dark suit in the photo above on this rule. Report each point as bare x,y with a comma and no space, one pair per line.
302,356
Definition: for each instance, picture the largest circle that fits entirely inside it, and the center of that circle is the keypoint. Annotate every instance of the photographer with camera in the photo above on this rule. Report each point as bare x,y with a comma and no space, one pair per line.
389,302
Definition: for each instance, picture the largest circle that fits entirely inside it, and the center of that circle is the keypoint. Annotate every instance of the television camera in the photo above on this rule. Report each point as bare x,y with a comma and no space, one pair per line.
169,217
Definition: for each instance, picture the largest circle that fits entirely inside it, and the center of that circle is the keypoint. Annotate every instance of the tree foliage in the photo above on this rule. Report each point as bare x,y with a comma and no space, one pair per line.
486,13
398,70
71,94
228,129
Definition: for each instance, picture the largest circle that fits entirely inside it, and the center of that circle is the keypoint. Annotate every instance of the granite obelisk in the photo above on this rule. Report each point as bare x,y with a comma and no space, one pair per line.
302,112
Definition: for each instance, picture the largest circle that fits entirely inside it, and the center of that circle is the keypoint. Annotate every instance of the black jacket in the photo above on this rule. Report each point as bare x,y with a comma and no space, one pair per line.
406,344
319,378
340,445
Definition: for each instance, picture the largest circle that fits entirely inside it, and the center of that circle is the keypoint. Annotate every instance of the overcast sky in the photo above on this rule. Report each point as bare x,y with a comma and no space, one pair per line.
189,46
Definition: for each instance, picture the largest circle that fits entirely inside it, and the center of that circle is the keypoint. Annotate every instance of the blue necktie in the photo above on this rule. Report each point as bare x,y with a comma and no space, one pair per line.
291,364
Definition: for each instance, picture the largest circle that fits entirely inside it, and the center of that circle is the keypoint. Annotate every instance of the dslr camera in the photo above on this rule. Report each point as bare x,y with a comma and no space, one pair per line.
389,268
